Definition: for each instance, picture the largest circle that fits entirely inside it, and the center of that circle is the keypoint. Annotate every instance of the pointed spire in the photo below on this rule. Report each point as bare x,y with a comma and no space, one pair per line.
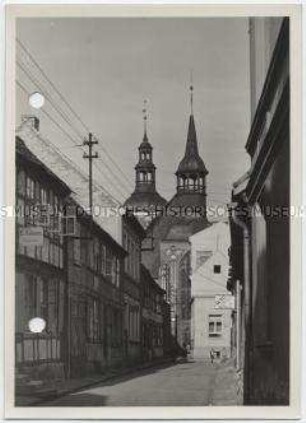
191,92
191,162
192,142
145,118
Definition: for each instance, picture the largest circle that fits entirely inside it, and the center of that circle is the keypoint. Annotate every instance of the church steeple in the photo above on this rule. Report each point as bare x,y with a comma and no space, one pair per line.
191,172
145,169
145,195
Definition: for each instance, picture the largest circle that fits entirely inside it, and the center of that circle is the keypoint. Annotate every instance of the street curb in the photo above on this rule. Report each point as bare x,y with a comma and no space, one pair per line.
104,378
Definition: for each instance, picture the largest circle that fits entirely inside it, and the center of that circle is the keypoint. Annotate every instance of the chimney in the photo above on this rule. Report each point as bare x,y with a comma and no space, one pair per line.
33,121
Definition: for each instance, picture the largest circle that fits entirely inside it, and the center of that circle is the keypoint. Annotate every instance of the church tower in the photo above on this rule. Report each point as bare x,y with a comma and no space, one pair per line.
191,172
169,261
145,200
145,168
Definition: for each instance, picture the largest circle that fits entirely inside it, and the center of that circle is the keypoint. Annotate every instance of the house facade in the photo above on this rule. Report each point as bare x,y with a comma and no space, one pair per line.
154,324
87,285
260,222
212,304
132,236
41,277
95,295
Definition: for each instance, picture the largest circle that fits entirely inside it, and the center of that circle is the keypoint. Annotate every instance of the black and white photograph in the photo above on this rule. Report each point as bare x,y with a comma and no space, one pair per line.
152,175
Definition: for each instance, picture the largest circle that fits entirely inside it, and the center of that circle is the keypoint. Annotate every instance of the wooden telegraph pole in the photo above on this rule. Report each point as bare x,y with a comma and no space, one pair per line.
90,156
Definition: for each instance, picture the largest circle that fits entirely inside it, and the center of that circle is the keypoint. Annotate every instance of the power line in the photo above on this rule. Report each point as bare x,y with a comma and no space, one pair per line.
52,85
60,112
47,114
114,163
74,113
123,194
60,152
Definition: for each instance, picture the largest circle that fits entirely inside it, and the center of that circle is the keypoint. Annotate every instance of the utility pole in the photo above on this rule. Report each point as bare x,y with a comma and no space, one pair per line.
90,156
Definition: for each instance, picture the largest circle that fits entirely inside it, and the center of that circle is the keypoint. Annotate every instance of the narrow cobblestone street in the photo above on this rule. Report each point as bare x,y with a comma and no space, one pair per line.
183,384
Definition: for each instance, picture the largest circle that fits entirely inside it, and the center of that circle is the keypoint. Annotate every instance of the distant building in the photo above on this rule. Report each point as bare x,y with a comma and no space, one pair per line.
153,324
260,224
211,319
41,278
132,237
145,202
169,258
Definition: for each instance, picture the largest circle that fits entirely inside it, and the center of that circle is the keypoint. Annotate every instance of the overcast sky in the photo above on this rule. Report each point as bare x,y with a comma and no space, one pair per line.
105,67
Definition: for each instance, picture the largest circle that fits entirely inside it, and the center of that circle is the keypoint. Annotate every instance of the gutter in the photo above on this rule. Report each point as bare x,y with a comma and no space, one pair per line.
246,262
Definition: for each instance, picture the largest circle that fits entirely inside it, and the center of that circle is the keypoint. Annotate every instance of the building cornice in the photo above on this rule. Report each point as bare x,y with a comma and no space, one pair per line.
274,75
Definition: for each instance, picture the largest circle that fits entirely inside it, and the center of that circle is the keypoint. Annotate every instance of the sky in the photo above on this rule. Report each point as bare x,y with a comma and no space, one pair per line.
106,67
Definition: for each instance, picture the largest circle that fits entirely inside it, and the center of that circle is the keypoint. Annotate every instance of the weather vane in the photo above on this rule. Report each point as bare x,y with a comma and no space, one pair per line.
145,114
191,91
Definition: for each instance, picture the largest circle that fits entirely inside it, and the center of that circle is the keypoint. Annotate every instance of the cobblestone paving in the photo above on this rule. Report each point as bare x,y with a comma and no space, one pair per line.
185,384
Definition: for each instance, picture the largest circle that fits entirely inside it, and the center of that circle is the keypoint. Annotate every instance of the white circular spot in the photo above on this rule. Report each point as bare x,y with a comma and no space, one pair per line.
36,100
37,324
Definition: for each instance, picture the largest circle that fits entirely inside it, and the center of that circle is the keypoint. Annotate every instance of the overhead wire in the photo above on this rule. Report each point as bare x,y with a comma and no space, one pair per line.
123,194
67,121
123,181
68,135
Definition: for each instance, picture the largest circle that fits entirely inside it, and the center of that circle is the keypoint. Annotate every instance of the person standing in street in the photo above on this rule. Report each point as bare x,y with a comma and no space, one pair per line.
212,356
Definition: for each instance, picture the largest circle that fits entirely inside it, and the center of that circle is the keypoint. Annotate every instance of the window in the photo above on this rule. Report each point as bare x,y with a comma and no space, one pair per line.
108,266
30,187
93,313
20,212
45,249
215,325
117,272
43,196
217,268
114,270
103,259
77,247
134,323
96,255
69,223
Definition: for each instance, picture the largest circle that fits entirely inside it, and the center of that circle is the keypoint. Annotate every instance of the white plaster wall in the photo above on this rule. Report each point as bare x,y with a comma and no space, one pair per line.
203,307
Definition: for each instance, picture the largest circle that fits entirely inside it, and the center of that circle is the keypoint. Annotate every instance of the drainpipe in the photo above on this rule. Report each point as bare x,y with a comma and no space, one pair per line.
246,276
246,266
238,325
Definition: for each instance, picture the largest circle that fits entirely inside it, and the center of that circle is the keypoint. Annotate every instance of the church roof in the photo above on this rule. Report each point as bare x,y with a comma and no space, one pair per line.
145,200
145,143
192,162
